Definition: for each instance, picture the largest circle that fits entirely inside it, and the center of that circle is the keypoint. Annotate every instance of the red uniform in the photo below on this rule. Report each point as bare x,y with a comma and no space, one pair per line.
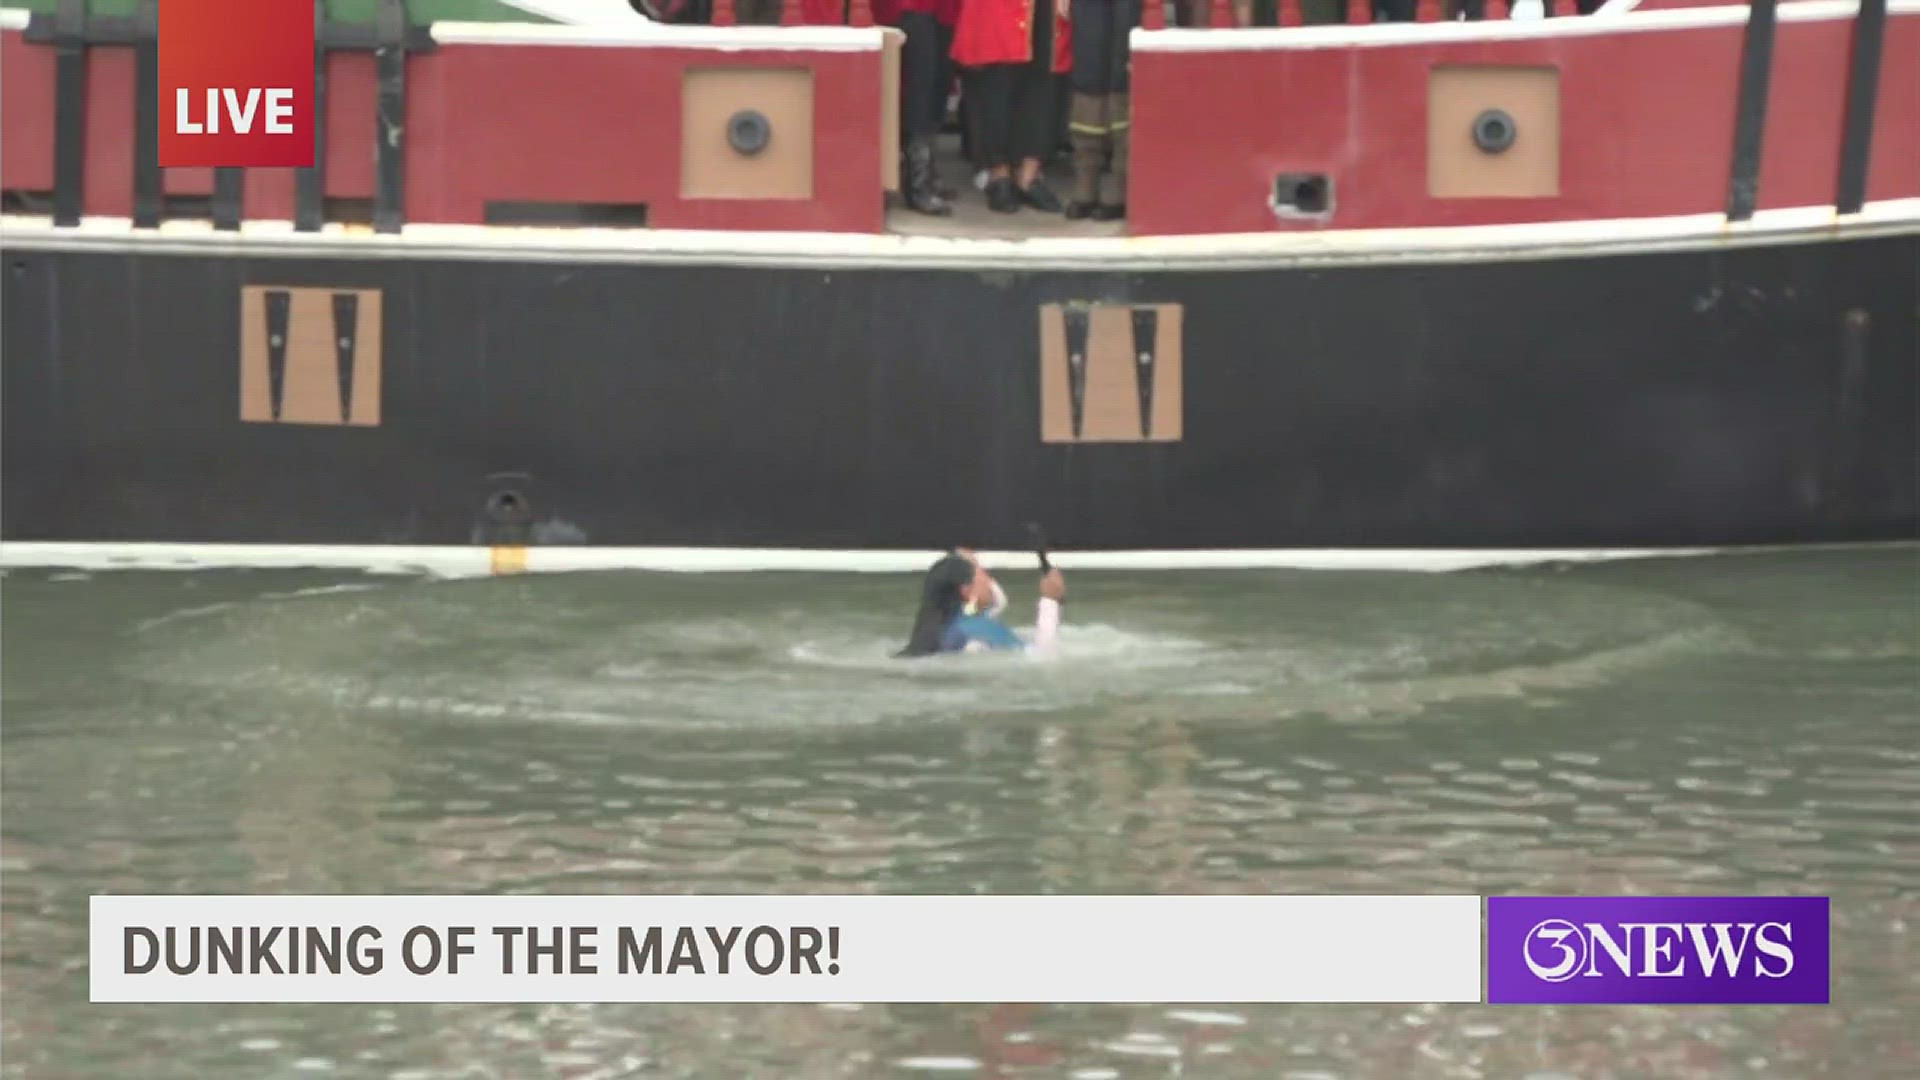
1001,32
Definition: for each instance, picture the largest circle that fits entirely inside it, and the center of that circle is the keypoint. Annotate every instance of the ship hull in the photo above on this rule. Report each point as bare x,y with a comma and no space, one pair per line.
1722,395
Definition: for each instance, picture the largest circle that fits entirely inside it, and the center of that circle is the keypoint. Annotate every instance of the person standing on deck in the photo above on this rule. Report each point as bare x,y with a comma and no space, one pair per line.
926,74
1010,51
1100,117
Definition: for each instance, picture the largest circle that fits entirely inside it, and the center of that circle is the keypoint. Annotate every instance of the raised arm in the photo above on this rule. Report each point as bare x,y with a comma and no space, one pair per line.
1046,622
999,603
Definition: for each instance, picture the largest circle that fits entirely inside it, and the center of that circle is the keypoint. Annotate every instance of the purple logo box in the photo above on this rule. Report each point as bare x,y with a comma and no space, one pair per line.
1657,950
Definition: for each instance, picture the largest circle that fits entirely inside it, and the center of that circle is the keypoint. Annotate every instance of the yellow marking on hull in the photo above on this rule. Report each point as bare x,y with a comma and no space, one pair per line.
509,560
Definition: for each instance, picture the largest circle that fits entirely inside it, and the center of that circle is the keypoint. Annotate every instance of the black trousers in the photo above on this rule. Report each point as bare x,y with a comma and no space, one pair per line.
1100,53
1010,107
757,12
925,76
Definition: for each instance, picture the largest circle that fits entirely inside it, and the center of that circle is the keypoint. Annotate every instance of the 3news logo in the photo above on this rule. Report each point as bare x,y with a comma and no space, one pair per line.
1632,950
236,83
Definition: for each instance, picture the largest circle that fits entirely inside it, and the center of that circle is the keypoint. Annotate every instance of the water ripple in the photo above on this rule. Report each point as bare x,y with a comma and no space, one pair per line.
1730,726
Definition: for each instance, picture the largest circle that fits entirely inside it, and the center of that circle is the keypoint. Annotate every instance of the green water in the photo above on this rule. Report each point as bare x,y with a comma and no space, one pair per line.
1736,724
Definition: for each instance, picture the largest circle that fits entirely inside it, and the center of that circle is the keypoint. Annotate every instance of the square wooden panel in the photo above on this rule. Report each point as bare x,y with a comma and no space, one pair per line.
1459,169
1131,365
310,356
710,168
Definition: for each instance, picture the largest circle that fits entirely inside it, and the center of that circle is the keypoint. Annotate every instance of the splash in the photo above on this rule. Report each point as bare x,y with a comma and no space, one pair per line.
661,653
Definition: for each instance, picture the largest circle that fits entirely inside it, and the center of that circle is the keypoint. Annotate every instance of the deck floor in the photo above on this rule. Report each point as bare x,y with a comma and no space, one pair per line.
972,219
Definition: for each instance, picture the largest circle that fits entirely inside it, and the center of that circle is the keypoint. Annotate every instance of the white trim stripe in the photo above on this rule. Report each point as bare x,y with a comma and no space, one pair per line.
600,27
647,34
474,561
613,24
1239,251
1377,35
582,12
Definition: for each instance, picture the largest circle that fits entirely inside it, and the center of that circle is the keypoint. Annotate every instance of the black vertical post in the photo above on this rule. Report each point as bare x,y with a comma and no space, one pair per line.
70,112
390,116
229,190
149,186
1863,91
310,185
1750,111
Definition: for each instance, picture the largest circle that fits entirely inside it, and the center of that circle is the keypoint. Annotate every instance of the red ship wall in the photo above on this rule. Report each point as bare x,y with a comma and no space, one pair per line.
560,124
609,132
1647,121
26,115
1646,129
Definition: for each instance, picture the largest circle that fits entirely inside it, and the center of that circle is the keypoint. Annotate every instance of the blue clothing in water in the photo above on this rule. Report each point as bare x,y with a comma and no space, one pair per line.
985,629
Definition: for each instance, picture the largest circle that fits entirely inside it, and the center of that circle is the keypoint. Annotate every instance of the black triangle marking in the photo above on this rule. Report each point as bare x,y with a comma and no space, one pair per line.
346,335
1146,340
279,317
1077,319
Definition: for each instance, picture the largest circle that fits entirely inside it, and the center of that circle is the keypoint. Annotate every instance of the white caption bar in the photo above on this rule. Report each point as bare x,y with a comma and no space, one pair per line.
1162,949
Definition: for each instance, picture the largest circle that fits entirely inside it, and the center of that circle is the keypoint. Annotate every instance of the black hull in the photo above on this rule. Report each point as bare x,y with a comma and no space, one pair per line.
1746,395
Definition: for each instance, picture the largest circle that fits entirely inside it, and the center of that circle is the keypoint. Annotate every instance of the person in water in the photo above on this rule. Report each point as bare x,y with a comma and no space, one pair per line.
960,605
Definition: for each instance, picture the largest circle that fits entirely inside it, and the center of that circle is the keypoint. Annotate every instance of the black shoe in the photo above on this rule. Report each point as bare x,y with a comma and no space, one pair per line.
929,203
1041,197
1077,210
1002,196
921,193
1109,212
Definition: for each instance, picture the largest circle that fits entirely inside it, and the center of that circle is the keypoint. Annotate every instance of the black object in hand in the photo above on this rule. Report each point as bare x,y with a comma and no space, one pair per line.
1039,545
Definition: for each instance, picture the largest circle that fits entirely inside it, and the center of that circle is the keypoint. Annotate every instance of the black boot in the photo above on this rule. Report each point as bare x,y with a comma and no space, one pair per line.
922,193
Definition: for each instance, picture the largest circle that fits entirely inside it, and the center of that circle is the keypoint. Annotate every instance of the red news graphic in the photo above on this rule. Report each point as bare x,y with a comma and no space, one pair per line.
236,83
